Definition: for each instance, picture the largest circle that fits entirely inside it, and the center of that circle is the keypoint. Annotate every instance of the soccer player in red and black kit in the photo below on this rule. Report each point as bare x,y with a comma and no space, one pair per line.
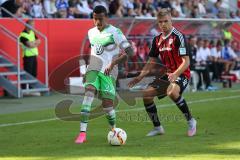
170,47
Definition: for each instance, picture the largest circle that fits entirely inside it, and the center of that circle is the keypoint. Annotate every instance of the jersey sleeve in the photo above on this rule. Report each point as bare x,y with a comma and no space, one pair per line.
181,42
120,39
153,51
24,40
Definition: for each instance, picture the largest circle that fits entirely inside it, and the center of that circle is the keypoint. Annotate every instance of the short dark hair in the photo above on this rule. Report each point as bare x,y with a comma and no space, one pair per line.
100,9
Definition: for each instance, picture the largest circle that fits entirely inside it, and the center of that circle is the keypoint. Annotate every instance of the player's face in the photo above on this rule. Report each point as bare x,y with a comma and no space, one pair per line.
100,20
165,23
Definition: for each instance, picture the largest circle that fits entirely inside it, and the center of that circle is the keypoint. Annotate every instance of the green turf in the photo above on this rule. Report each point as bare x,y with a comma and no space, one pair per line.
218,130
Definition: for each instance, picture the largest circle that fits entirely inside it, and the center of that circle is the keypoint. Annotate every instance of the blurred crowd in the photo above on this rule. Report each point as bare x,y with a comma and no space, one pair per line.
210,59
216,56
127,8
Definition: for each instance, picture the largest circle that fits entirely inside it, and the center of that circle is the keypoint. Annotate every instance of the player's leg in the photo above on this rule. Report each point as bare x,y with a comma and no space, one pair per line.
174,91
91,85
151,109
157,88
108,93
110,112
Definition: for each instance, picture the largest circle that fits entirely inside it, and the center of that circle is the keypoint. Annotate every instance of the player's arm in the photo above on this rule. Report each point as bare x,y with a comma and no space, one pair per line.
123,57
120,59
149,66
185,61
123,44
183,66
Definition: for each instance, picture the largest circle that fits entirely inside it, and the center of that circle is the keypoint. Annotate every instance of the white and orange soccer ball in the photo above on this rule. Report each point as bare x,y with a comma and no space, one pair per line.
117,137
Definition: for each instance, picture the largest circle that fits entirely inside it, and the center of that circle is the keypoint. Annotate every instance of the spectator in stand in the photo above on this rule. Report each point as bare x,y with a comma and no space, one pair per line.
127,4
50,8
201,6
236,49
138,7
228,56
187,8
149,9
62,13
238,14
37,9
217,65
163,4
116,8
84,9
12,6
222,14
177,6
232,15
27,6
129,8
192,50
62,4
175,13
195,12
203,55
71,13
102,3
216,7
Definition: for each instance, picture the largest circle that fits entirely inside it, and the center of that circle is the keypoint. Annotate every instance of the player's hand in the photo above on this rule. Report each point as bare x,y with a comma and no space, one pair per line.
172,77
134,81
84,78
108,69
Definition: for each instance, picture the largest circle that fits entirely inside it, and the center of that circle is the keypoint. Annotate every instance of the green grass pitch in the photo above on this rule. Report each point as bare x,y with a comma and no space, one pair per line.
29,130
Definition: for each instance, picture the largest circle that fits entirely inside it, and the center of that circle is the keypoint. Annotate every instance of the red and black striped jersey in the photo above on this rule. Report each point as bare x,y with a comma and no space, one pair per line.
170,50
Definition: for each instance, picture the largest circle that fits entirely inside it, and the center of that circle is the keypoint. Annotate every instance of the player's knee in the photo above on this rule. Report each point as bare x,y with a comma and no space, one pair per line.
173,94
147,100
90,88
107,103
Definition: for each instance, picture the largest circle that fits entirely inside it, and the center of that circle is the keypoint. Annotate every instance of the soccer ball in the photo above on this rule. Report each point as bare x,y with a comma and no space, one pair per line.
117,137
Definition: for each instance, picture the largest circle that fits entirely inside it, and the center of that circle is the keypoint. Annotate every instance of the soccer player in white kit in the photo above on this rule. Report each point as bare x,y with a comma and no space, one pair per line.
106,42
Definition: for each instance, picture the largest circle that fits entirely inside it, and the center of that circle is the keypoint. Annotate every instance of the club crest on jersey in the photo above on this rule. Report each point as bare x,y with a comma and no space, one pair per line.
170,41
98,48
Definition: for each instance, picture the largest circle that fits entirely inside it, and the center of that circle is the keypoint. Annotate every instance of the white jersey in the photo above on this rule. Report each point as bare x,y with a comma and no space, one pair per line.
105,46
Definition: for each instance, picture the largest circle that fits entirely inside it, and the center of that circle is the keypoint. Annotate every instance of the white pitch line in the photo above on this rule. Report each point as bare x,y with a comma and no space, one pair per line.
235,90
27,122
135,109
188,102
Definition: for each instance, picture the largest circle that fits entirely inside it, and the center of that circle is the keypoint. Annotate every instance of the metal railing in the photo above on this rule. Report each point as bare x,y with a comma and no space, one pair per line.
45,58
15,38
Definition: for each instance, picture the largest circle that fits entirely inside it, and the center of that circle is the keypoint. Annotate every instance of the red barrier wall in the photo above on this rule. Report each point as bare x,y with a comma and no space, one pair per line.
64,39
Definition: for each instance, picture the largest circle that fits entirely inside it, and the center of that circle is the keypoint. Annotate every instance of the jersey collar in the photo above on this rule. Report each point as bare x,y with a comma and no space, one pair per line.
168,34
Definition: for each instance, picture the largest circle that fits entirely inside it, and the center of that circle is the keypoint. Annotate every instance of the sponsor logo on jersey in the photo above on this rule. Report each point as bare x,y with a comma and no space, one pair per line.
99,49
165,49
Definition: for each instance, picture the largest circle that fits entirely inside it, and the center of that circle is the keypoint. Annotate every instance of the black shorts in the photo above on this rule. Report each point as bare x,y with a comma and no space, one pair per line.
162,83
